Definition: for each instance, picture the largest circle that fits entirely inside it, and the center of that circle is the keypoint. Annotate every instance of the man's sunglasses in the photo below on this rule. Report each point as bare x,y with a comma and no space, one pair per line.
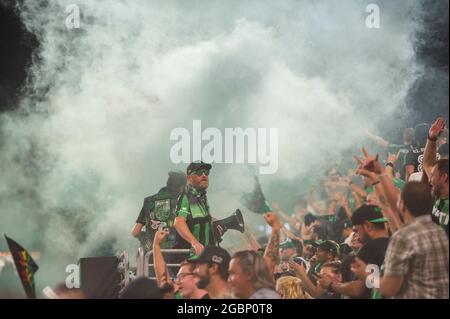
200,172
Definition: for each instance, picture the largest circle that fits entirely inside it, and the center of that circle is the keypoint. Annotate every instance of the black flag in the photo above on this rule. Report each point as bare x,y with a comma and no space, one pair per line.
255,201
25,265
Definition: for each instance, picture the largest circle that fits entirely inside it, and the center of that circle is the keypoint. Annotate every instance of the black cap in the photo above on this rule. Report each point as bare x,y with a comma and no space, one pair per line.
196,165
176,179
346,223
213,255
328,245
368,213
143,288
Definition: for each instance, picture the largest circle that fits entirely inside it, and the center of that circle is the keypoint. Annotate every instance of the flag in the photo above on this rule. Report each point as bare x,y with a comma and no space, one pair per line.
25,265
255,201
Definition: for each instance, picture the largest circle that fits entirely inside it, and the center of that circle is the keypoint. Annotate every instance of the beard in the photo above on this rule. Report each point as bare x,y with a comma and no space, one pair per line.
203,185
203,282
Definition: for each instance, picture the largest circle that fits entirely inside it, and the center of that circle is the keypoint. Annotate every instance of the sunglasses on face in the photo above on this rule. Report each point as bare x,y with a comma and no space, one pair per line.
201,172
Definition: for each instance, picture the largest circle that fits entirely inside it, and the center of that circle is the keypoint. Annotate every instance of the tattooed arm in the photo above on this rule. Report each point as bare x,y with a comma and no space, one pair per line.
272,255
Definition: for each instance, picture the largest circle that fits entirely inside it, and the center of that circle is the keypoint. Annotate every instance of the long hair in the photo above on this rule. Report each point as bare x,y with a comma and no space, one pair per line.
289,287
254,264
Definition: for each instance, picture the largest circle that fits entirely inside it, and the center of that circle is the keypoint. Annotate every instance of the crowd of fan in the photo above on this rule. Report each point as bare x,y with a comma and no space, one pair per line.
377,231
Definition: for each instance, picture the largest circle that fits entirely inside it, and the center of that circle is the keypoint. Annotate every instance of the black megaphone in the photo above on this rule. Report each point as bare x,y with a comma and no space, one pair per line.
235,221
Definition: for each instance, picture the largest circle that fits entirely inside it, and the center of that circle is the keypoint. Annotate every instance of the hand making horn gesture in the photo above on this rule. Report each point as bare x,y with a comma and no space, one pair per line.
369,164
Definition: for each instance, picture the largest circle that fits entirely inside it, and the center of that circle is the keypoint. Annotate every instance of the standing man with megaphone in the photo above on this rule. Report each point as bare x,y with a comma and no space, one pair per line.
193,221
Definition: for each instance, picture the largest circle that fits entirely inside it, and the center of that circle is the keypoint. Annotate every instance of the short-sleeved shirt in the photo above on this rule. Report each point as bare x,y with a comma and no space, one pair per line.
157,209
440,213
193,206
415,157
399,165
419,252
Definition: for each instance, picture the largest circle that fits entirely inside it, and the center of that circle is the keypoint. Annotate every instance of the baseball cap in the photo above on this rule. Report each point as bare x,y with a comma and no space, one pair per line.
213,255
287,244
368,213
196,165
346,223
327,245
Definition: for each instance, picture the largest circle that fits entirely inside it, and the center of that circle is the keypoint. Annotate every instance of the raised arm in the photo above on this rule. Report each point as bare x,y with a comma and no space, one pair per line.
372,166
390,162
429,155
272,254
161,272
314,290
377,139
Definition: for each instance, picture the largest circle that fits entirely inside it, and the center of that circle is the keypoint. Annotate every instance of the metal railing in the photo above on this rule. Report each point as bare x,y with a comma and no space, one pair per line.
143,261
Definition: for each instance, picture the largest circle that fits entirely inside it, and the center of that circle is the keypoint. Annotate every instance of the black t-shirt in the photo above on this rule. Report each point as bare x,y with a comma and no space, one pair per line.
415,157
399,165
373,251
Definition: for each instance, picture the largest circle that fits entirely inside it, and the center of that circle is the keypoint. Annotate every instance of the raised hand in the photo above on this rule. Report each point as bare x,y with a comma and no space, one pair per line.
273,220
160,235
369,163
436,128
392,157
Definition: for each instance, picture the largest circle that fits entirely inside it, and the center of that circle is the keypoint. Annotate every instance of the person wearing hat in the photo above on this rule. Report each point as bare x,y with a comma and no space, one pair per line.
158,211
290,250
370,226
346,231
212,271
327,251
193,221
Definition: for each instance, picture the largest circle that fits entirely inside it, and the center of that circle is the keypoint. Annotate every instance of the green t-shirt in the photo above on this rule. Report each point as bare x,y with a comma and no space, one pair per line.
375,294
440,213
195,209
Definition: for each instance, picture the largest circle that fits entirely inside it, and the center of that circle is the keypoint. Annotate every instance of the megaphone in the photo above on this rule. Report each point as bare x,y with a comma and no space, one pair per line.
235,221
